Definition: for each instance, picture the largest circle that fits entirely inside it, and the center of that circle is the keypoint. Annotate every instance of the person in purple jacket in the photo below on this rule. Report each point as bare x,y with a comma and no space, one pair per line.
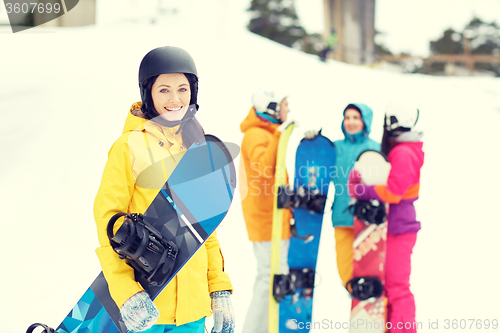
403,147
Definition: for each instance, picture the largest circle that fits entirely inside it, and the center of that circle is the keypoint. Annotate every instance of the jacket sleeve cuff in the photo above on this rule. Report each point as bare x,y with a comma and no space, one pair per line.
221,286
366,192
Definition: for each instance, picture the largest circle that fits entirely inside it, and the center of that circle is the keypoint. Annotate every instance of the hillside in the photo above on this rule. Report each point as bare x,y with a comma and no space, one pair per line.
64,94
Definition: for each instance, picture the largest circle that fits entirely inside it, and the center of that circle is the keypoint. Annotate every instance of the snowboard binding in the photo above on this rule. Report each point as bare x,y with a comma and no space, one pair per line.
303,278
364,288
46,329
144,247
310,199
282,287
285,197
370,211
305,198
285,285
293,229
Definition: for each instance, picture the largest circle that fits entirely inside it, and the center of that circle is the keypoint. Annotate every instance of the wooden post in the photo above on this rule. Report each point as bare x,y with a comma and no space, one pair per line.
338,25
327,15
469,62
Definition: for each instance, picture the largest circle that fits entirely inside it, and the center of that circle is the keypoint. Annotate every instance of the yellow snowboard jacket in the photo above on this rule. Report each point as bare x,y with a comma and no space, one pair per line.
128,185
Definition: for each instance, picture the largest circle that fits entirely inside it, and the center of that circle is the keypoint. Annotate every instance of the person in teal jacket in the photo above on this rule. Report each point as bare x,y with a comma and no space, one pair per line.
356,127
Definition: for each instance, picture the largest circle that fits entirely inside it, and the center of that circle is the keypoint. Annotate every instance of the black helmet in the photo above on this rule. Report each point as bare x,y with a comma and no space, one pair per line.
166,60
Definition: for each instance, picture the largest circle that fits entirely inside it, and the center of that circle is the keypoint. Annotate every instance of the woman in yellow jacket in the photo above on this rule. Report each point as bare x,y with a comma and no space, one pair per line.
259,151
161,128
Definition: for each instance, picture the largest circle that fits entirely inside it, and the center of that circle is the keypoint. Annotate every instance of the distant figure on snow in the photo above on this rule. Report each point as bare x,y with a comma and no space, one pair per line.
331,43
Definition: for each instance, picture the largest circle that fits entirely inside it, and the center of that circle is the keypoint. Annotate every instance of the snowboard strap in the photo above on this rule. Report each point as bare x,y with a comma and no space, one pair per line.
285,201
287,284
364,288
46,329
309,199
293,229
144,247
302,277
370,211
285,197
303,197
282,286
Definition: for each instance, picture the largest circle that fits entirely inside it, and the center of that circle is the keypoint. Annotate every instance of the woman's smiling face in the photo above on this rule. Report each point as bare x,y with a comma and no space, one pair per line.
171,94
353,122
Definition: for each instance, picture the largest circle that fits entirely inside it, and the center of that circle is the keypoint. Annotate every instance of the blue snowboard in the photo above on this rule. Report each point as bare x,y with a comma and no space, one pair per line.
187,210
314,162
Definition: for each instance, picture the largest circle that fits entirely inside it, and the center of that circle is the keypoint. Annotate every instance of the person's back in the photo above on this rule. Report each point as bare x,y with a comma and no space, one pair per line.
258,153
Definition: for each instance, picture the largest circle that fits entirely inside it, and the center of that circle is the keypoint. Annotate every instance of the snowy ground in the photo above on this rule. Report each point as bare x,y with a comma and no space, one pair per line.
64,95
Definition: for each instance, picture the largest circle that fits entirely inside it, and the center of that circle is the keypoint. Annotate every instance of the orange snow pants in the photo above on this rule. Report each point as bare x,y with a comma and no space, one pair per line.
344,239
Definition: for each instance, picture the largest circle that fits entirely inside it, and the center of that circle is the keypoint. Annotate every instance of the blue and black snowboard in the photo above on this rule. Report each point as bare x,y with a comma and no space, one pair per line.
187,210
314,163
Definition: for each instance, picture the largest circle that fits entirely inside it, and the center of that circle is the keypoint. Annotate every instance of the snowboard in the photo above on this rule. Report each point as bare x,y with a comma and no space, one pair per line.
314,162
280,181
187,210
369,247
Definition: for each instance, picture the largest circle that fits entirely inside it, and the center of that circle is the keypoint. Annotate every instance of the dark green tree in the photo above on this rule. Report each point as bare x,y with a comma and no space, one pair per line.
277,20
484,39
449,43
380,48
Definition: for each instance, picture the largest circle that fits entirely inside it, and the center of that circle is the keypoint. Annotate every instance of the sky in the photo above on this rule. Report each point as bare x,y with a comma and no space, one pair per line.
409,25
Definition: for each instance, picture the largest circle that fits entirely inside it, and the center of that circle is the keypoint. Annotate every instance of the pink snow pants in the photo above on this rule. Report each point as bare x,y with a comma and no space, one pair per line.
400,301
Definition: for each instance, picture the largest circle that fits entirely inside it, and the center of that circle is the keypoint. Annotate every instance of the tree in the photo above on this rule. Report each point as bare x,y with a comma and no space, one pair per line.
276,20
449,43
484,39
381,49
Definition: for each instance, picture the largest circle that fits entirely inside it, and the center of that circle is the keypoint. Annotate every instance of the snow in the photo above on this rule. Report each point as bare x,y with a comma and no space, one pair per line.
64,94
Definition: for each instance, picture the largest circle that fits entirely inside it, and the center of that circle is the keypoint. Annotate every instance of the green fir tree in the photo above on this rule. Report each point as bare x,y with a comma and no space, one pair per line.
276,20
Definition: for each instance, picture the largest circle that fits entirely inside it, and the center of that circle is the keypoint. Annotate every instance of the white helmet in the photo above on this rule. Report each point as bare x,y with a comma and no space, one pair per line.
400,116
268,101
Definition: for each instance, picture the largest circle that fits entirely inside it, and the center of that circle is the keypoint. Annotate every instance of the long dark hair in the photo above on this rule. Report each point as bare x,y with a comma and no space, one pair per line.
389,138
191,128
386,144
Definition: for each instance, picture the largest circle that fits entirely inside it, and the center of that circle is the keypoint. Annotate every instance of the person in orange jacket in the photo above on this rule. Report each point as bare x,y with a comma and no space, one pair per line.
160,128
262,129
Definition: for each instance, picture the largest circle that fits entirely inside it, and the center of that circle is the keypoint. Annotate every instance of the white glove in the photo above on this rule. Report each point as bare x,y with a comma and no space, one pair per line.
311,134
139,313
223,312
